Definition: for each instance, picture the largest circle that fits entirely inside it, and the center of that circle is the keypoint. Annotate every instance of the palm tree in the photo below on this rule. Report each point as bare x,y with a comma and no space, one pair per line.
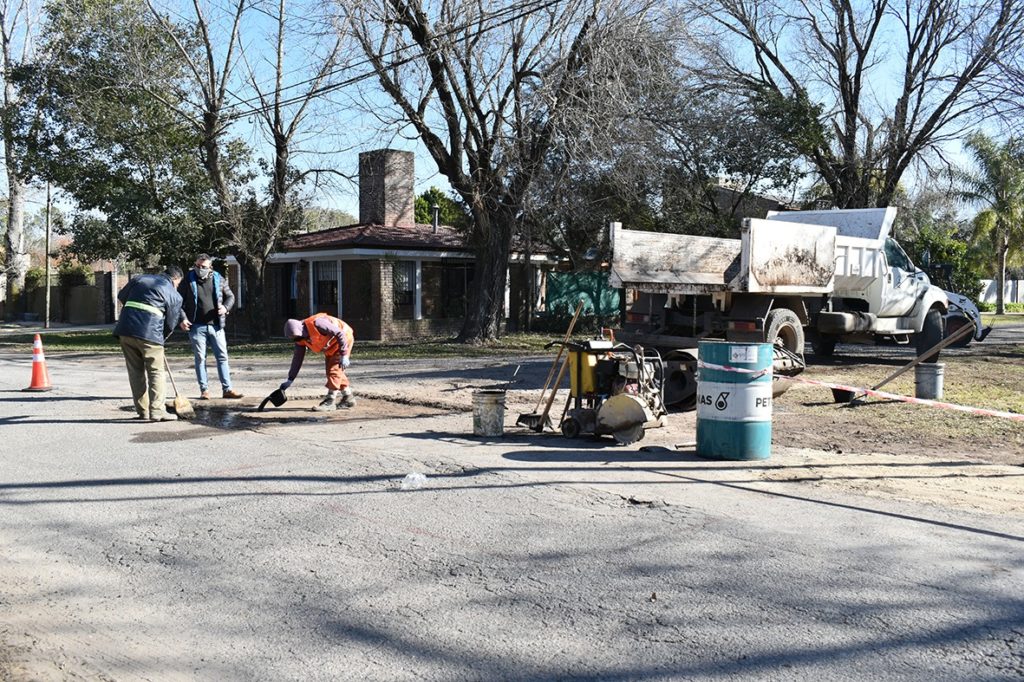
997,184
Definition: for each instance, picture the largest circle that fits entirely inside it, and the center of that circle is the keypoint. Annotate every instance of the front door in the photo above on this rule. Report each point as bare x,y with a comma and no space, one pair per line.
904,283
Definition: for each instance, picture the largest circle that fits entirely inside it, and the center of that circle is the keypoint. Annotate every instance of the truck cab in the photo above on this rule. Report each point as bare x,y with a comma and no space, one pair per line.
879,294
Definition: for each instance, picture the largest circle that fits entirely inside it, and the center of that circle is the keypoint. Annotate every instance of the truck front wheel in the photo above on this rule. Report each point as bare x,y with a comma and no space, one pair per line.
931,334
782,327
955,324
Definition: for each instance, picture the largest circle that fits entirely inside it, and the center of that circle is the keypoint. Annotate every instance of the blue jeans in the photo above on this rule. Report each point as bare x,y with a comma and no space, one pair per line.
200,335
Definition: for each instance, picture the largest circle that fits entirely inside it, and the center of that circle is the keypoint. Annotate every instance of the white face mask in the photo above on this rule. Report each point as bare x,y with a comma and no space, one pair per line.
203,273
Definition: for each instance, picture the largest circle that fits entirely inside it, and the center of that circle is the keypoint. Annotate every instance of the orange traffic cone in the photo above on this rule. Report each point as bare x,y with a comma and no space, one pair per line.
40,377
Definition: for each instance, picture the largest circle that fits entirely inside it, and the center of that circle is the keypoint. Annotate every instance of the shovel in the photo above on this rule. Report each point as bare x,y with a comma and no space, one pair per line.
535,420
182,407
277,398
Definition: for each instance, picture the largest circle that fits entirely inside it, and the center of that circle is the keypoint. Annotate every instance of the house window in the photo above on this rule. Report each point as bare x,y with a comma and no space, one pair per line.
404,285
325,287
445,288
356,290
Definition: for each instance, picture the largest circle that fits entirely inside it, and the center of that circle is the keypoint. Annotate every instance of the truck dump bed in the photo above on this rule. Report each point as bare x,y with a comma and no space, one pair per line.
770,257
656,262
861,235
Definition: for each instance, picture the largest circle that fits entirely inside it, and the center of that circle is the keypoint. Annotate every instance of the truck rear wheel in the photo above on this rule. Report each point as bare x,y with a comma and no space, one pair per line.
782,328
931,334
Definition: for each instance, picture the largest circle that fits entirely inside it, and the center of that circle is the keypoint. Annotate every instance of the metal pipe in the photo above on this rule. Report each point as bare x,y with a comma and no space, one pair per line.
46,322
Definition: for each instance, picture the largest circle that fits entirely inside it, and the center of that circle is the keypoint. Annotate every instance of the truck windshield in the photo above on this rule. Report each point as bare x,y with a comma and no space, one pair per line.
896,257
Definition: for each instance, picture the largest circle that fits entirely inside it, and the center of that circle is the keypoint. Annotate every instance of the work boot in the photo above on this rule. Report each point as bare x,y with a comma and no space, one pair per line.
347,399
205,395
232,394
165,417
328,404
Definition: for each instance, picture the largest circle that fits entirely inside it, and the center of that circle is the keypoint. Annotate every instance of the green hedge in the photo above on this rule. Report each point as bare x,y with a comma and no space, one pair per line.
72,275
35,278
1010,307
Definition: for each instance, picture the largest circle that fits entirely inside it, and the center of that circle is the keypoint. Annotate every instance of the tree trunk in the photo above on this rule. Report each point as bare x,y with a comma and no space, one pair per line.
1004,248
487,299
15,260
253,270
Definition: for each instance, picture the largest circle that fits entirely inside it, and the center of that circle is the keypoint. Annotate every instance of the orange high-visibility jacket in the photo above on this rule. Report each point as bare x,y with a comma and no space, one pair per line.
326,343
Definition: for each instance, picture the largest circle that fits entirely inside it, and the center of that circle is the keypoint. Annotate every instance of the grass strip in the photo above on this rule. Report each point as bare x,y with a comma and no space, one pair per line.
104,342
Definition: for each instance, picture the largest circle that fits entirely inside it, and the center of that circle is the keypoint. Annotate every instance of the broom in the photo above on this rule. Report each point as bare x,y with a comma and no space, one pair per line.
182,407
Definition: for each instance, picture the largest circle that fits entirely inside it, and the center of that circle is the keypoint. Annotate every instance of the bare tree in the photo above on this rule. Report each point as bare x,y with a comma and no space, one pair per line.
221,70
17,25
487,86
895,79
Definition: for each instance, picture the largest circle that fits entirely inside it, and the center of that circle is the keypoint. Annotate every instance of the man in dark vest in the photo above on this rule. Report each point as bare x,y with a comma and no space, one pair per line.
207,301
152,309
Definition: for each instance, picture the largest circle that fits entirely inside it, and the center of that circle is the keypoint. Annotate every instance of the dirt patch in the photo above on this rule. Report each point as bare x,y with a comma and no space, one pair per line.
989,378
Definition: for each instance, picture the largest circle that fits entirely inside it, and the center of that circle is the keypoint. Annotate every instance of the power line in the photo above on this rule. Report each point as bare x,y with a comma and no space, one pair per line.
515,7
519,10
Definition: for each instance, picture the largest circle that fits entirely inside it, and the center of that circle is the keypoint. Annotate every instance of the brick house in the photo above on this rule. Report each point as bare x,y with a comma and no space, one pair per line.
388,276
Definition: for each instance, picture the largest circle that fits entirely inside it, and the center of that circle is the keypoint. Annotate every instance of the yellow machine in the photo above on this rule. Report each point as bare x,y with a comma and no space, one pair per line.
615,390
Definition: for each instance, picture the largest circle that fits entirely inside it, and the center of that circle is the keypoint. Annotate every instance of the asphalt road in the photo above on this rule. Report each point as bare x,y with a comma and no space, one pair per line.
289,551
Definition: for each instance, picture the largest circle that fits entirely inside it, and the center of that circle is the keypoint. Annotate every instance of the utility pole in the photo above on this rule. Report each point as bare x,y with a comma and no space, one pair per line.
46,323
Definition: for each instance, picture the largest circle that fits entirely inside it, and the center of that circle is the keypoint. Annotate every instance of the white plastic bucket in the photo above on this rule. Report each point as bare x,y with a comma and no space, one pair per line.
928,378
488,412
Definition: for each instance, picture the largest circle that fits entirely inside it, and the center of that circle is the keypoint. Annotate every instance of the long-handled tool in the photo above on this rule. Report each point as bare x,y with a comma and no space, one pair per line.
512,378
542,419
182,407
534,419
948,341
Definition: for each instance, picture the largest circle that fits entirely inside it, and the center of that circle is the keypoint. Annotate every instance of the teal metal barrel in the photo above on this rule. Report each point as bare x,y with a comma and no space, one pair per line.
734,400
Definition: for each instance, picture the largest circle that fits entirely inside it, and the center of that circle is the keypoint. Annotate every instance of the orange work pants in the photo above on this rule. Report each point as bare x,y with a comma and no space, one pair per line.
336,379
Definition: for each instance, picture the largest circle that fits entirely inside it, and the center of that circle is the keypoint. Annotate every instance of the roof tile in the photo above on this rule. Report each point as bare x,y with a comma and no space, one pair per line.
419,236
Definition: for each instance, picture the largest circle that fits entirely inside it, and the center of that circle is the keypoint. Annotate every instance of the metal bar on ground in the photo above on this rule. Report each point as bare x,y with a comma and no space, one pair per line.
952,338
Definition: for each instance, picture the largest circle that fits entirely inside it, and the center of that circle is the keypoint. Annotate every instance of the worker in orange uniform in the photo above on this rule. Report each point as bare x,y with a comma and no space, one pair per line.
322,333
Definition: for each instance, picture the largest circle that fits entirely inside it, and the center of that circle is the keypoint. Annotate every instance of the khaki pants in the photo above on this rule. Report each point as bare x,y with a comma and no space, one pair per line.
145,362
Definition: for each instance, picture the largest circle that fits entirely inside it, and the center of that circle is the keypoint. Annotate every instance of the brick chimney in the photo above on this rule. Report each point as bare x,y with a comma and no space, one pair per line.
387,188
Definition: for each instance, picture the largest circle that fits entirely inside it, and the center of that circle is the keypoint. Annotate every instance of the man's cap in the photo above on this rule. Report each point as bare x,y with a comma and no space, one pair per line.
292,328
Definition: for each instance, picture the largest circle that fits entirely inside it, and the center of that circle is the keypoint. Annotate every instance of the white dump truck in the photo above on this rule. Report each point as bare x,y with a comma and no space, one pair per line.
823,276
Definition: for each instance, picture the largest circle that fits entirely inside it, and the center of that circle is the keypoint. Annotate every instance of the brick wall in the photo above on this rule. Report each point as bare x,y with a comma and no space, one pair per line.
387,188
401,330
381,325
383,300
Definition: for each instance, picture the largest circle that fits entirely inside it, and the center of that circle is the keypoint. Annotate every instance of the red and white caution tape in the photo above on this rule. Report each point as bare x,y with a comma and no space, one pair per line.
754,373
1015,416
857,390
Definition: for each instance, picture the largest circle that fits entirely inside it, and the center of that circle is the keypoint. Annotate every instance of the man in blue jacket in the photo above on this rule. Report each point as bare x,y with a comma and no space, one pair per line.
152,309
207,300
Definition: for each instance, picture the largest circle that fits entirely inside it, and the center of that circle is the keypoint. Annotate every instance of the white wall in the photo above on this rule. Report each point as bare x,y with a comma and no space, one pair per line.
1012,293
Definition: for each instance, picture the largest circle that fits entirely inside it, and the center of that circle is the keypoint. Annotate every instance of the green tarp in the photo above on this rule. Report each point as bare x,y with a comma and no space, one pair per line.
566,289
